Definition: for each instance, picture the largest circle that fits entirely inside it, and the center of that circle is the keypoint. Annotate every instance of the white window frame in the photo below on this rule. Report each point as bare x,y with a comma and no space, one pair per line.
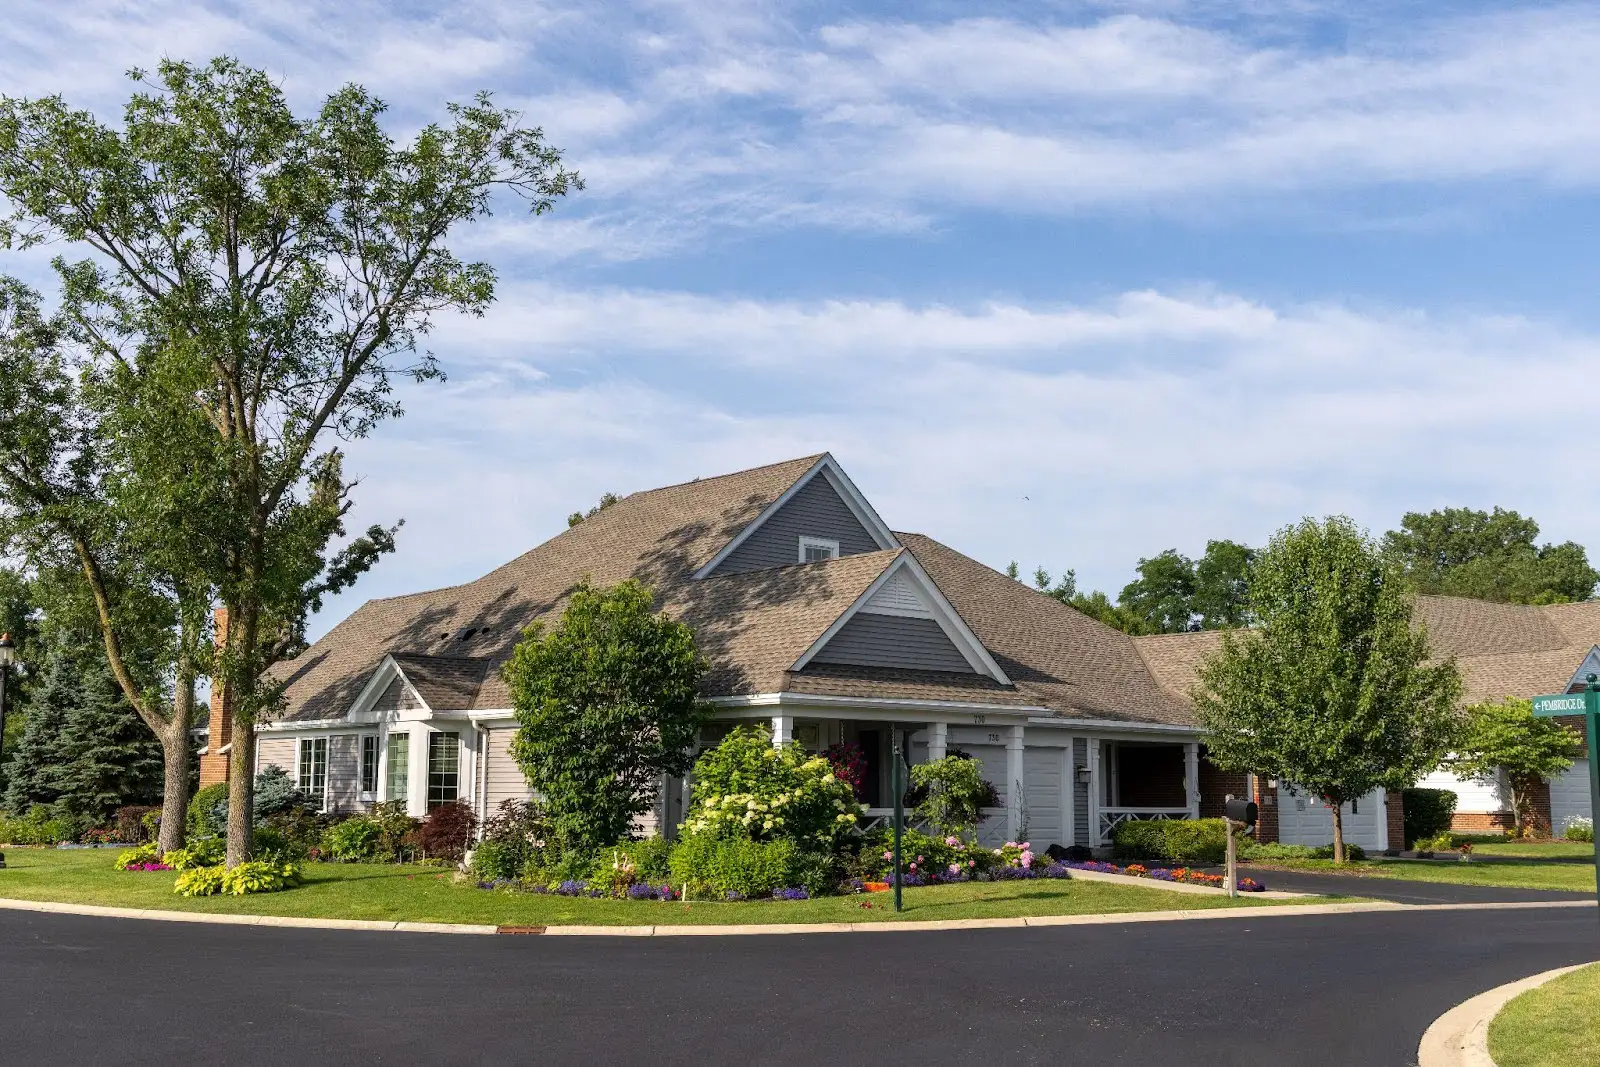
300,752
385,770
438,737
361,766
806,543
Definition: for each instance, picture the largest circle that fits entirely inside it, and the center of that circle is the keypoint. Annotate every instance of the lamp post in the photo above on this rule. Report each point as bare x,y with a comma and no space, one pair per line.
8,656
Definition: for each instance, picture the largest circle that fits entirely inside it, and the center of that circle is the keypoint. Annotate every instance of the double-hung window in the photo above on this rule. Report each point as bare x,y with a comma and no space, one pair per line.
369,763
311,770
444,769
817,549
398,772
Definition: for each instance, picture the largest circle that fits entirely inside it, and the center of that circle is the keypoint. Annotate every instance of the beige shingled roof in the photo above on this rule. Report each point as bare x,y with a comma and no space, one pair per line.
1502,649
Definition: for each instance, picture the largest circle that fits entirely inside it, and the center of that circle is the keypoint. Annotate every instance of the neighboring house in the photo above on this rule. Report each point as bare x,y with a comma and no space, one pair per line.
1503,650
819,622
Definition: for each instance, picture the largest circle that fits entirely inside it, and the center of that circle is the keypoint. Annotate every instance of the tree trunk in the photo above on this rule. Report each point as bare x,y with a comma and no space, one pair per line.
241,791
1338,830
175,787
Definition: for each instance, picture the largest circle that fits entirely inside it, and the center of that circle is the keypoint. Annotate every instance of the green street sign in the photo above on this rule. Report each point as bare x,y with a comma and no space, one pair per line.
1554,704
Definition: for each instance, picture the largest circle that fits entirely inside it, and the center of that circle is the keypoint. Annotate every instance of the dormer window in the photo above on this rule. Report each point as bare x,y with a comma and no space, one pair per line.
817,549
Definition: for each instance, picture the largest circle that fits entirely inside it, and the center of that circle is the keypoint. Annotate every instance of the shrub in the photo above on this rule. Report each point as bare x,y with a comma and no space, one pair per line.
1177,841
259,876
356,838
208,811
204,852
444,834
137,857
494,861
42,825
275,791
849,763
745,787
1352,853
275,846
515,834
1250,849
199,881
650,856
134,823
724,867
395,829
1579,829
1428,812
953,794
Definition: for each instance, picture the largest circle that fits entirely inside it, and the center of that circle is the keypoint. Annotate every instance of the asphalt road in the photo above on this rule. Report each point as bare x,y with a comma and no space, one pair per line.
1347,990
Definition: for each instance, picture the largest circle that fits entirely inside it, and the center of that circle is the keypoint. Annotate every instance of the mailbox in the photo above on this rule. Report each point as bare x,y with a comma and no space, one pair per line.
1244,811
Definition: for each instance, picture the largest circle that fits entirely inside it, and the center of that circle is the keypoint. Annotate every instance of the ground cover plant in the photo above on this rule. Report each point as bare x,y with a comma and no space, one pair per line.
1553,1026
409,892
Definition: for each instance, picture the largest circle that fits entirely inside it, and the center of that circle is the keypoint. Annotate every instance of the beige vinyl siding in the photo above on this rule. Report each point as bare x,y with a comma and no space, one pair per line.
344,772
398,697
275,750
815,511
503,778
893,641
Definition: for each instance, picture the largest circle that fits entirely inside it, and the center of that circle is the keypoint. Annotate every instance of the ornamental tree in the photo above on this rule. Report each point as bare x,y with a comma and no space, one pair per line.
1333,691
607,703
956,794
243,286
1505,735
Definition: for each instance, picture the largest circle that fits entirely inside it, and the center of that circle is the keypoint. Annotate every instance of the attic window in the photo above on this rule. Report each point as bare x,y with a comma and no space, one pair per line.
817,549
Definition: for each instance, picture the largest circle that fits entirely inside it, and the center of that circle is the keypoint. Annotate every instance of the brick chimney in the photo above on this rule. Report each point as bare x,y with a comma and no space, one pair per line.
214,763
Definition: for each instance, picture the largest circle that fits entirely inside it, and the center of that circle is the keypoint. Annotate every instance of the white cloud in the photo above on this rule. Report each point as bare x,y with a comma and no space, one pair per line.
1153,420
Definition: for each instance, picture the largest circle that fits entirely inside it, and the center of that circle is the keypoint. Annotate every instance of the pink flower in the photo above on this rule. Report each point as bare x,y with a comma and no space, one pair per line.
919,859
955,868
953,842
913,866
1026,860
972,863
888,855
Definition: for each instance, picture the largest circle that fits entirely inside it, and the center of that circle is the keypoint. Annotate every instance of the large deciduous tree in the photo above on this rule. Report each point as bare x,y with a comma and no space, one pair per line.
1489,555
1505,735
607,702
1333,689
257,279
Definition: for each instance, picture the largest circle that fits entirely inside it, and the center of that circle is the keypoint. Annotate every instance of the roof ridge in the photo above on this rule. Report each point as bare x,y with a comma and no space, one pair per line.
811,459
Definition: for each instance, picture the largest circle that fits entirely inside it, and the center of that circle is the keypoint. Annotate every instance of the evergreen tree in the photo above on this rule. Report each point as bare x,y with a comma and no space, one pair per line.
108,756
33,763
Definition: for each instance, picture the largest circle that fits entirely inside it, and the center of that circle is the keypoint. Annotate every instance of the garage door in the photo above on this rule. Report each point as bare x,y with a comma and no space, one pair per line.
1569,795
1306,820
992,831
1043,767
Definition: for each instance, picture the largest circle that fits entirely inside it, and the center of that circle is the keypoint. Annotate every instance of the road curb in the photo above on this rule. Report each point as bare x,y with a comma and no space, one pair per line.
765,929
1460,1037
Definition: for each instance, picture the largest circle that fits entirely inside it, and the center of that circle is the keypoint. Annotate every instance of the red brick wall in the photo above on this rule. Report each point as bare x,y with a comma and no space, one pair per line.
1216,784
214,763
1475,822
1266,799
1396,811
1539,822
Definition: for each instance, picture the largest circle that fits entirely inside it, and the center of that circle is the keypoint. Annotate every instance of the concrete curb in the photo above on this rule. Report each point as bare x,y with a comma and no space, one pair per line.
1460,1037
765,929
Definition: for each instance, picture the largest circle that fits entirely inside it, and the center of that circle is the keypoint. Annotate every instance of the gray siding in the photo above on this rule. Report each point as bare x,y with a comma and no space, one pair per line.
815,511
344,772
893,641
1080,793
504,780
275,751
397,698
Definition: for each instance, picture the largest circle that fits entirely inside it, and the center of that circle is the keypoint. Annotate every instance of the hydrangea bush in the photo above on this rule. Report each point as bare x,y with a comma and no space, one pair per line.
747,788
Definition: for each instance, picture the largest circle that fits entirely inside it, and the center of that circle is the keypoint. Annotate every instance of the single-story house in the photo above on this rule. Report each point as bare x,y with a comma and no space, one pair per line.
820,622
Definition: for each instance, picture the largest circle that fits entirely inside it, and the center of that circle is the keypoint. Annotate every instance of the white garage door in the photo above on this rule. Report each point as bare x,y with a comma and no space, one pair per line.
1306,820
1043,789
1569,795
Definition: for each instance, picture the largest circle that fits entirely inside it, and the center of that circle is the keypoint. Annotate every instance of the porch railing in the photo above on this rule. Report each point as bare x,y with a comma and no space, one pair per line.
1111,818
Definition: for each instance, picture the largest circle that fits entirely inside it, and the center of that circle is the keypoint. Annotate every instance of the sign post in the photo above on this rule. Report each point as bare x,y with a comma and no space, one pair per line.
897,783
1586,704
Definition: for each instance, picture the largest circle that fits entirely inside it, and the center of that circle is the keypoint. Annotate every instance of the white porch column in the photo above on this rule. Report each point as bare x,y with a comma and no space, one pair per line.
938,740
782,730
417,772
1015,786
1191,776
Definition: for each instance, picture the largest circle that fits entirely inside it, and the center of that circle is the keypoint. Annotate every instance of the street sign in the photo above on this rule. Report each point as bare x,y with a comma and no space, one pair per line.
1548,707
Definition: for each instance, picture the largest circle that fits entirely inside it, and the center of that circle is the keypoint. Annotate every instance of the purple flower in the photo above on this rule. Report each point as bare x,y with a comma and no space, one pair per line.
790,894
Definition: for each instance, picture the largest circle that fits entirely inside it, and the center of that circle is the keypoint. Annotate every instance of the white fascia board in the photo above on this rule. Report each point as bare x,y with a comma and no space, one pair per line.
1116,724
1576,683
822,701
827,466
387,671
944,614
303,726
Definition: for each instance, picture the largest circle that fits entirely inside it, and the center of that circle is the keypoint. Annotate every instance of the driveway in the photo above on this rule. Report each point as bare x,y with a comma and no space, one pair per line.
1332,990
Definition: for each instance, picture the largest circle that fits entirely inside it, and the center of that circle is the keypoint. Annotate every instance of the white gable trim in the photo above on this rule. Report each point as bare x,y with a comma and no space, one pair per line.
388,670
828,468
943,613
1590,665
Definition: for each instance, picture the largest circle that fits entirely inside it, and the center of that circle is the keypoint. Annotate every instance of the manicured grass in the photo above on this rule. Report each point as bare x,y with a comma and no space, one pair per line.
1555,1025
1517,874
1567,851
427,894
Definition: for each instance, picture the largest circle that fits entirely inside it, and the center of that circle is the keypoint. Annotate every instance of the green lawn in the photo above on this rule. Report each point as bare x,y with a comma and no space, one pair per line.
1555,1025
426,894
1559,851
1519,874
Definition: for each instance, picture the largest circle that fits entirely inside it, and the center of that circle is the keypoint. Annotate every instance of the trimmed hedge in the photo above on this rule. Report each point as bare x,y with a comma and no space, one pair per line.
1180,842
1428,812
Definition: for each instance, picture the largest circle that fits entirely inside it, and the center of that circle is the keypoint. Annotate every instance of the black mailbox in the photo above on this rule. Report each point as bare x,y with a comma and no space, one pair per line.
1244,811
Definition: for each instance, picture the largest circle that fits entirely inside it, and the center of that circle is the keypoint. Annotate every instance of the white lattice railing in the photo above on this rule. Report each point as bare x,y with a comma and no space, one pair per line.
1111,818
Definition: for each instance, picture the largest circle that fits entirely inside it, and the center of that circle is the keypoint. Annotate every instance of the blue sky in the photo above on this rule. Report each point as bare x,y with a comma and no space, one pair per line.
1066,283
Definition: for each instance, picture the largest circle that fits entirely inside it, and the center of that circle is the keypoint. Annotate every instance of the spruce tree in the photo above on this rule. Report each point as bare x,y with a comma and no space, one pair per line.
33,763
109,758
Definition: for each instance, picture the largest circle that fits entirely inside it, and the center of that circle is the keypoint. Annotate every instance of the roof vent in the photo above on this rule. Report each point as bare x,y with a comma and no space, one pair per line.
467,636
